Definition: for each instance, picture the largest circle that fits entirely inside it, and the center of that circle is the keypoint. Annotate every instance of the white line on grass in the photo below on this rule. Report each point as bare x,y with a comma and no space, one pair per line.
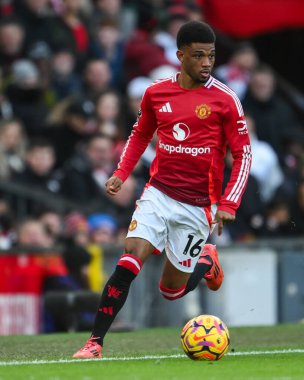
147,357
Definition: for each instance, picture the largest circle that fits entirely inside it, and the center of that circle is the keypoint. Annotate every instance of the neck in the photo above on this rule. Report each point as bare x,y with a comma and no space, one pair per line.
186,82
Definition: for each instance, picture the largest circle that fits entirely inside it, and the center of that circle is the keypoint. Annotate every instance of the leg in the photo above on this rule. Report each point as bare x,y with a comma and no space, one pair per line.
189,259
115,293
175,283
172,277
117,288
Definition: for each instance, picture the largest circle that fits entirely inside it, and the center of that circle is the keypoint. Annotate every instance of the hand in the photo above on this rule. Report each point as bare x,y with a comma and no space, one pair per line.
113,185
222,217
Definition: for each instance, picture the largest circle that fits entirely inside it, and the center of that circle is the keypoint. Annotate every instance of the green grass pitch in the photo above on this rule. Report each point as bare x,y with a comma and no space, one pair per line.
256,353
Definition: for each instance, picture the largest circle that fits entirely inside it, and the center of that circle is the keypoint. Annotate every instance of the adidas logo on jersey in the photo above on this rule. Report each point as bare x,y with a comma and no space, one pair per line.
165,108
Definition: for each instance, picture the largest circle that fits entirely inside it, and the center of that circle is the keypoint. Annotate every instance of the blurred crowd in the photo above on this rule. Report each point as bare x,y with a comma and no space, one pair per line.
72,76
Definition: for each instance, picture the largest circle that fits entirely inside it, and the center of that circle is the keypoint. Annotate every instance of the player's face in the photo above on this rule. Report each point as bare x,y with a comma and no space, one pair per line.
197,61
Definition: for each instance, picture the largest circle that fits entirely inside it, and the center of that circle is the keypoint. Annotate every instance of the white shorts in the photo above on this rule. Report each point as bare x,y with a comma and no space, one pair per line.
179,228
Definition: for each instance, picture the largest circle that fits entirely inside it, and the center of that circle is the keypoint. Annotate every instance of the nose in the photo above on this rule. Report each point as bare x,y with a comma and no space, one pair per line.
206,62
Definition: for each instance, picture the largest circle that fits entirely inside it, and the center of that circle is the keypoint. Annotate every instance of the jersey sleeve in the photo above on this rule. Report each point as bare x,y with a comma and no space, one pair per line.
236,132
139,138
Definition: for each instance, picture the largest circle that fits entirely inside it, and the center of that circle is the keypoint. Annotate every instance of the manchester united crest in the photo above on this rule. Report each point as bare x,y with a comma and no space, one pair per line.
203,111
133,225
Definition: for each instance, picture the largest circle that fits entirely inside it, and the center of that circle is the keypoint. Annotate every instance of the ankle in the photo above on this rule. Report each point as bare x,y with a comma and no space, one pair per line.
97,339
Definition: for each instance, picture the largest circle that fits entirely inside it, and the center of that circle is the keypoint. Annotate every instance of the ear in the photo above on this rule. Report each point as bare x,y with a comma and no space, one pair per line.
180,55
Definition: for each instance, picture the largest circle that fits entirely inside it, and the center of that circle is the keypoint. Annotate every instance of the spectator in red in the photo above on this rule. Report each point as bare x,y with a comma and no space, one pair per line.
31,234
142,54
73,23
7,7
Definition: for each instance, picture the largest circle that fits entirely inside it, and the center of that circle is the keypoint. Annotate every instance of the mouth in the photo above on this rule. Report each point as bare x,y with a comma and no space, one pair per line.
204,74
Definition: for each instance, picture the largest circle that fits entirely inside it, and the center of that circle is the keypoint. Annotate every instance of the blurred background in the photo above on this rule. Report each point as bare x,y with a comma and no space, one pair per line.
71,80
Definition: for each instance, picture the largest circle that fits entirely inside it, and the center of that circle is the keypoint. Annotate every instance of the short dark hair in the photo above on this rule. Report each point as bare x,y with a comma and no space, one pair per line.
195,31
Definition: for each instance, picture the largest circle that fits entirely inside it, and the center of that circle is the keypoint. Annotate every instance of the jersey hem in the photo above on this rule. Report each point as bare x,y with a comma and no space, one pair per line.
166,190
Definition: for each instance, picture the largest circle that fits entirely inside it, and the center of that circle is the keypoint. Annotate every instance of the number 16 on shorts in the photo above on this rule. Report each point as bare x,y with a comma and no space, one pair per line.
193,248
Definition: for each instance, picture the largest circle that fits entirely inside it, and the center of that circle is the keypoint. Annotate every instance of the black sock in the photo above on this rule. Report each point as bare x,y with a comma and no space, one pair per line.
112,300
199,271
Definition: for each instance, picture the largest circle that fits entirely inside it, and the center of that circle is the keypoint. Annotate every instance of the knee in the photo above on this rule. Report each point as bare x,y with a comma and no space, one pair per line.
170,293
139,248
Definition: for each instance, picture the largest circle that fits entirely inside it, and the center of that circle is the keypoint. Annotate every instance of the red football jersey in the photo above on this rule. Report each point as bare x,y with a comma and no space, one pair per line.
193,128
